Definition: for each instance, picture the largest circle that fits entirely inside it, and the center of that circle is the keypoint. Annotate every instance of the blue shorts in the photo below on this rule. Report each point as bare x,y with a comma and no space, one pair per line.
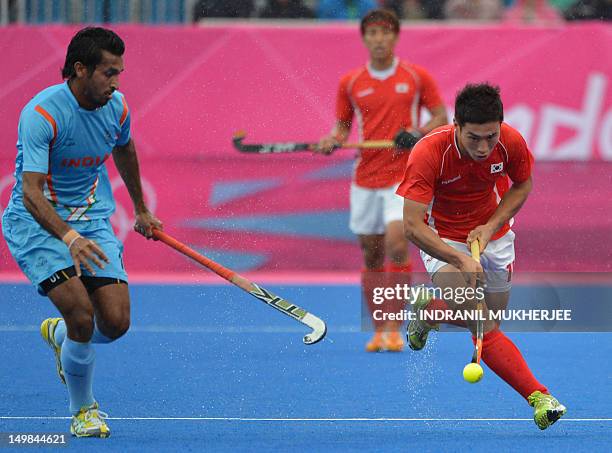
40,255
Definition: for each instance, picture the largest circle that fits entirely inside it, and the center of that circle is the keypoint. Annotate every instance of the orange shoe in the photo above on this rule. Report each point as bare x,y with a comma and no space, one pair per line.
376,344
394,342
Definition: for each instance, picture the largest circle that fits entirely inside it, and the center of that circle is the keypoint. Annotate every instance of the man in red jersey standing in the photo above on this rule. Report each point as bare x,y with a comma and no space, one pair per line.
457,191
385,96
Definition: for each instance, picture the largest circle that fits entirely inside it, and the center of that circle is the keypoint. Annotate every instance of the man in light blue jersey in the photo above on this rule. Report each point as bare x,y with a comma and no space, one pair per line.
57,221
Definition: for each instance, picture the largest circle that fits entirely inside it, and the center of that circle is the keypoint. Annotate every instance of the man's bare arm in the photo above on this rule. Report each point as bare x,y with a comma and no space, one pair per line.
439,118
510,204
427,240
126,161
37,204
83,250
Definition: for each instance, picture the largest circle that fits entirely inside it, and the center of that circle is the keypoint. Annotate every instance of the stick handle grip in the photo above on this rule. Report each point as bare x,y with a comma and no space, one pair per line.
188,251
370,144
475,249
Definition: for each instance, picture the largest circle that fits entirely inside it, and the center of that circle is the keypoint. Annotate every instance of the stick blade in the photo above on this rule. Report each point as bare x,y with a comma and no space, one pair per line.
319,329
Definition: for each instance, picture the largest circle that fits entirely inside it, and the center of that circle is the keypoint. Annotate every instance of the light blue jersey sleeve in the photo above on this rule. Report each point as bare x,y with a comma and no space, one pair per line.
35,134
124,135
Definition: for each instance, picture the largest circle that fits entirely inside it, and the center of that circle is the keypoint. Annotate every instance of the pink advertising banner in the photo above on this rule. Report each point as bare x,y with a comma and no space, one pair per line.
190,89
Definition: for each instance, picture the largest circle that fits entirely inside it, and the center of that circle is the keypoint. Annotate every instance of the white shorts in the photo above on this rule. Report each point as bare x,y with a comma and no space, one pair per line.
373,209
497,261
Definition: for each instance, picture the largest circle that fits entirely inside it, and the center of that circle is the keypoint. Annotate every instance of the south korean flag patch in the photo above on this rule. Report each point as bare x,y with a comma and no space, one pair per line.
497,168
401,88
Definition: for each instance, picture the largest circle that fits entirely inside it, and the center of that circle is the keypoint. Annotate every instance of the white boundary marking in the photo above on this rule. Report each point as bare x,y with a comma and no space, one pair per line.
346,419
197,329
340,329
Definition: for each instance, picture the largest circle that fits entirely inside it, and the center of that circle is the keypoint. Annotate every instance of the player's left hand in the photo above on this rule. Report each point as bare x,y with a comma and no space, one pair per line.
146,222
483,234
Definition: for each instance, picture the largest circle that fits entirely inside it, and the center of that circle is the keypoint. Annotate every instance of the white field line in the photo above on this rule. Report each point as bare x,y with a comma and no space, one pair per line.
343,419
196,329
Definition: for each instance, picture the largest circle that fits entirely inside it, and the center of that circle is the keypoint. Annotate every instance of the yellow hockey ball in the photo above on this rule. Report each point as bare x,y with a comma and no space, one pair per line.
473,373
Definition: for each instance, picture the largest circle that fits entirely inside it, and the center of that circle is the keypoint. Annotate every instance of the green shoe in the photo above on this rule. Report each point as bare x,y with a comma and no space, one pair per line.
546,409
89,422
418,330
47,331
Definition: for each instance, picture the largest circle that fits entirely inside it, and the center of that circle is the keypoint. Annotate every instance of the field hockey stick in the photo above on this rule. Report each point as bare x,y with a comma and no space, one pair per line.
475,249
293,147
319,329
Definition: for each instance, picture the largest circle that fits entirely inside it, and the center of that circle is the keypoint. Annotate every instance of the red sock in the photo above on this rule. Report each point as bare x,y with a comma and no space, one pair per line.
370,279
406,268
440,305
505,360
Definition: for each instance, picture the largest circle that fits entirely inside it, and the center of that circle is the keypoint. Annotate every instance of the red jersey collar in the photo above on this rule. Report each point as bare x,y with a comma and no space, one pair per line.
455,143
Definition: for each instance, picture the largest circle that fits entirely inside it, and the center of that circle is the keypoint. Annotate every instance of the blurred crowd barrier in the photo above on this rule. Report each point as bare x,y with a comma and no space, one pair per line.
188,11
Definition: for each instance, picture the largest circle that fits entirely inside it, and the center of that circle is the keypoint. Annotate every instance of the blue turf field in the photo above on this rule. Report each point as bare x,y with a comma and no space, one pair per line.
211,368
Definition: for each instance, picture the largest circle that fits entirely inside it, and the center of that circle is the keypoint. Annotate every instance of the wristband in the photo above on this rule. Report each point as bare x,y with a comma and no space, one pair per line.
70,237
72,242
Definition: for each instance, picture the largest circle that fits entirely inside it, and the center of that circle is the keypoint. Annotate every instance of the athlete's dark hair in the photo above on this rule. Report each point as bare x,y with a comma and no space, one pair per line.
87,46
478,103
380,15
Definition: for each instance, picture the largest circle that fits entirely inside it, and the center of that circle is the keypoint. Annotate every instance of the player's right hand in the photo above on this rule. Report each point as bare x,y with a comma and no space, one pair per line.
472,270
326,145
85,252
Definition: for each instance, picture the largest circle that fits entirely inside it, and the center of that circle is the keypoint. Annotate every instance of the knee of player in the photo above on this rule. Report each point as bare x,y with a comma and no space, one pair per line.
80,324
116,327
